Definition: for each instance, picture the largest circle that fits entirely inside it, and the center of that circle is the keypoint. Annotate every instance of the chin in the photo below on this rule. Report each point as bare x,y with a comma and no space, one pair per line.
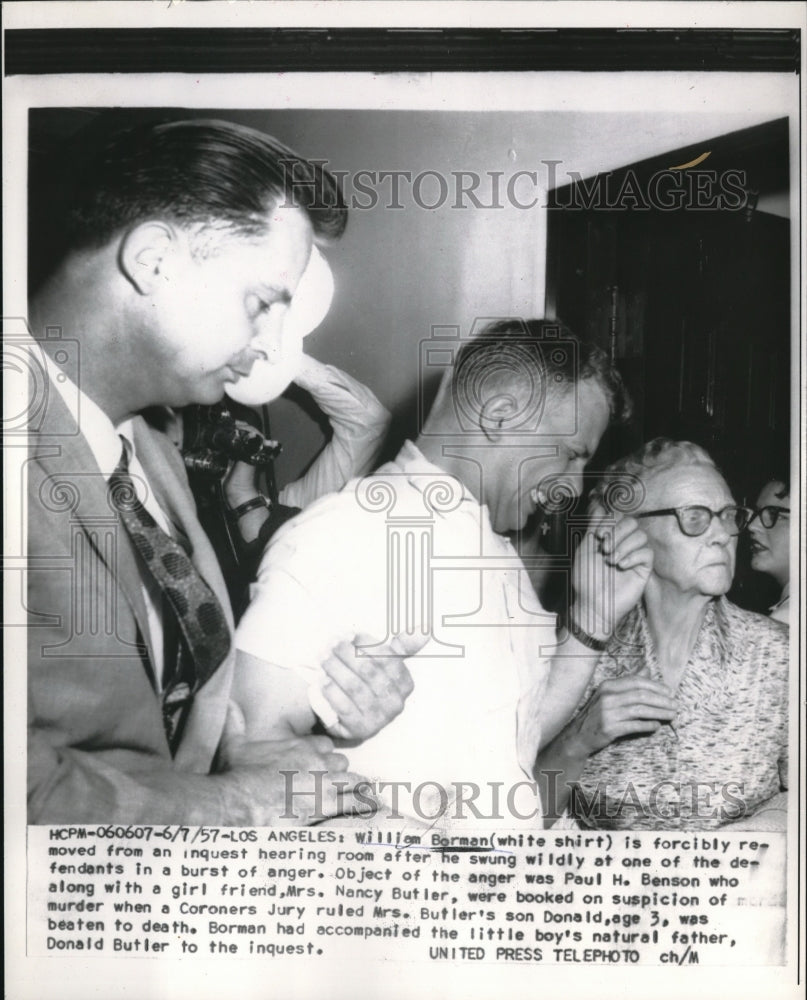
206,396
718,584
518,524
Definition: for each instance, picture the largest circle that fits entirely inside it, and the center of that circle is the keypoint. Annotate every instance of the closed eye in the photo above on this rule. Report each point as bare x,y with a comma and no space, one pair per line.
260,307
260,304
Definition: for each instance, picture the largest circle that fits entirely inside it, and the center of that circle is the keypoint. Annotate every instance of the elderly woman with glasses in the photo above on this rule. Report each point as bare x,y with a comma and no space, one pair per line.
677,698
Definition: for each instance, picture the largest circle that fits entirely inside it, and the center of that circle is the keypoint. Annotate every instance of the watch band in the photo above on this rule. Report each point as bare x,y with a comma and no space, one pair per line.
598,645
253,503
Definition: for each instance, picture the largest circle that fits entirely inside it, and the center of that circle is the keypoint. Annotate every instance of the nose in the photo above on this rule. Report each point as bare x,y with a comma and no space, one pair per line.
268,340
756,527
573,477
558,491
718,535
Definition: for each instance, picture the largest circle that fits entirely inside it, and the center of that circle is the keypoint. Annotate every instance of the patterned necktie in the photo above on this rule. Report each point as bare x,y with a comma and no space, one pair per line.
203,632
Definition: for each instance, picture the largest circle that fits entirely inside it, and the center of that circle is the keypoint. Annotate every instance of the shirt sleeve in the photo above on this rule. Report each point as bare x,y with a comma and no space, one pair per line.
359,423
316,586
278,626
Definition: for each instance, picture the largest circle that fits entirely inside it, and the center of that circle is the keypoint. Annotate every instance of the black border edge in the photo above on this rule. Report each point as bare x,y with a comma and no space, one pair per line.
256,50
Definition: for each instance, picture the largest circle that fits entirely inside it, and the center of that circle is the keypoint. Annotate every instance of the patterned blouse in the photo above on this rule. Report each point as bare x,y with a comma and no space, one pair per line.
724,753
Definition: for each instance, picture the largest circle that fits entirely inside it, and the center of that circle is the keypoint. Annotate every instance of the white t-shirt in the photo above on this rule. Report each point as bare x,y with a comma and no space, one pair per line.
408,549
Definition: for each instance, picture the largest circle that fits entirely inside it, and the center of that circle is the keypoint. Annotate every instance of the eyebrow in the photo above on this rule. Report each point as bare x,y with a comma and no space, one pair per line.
279,294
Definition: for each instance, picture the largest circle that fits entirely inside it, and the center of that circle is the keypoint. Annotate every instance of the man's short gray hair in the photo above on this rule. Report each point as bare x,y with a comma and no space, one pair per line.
533,359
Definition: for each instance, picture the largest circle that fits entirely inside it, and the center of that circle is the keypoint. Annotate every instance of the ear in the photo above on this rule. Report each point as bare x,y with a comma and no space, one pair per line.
147,252
496,414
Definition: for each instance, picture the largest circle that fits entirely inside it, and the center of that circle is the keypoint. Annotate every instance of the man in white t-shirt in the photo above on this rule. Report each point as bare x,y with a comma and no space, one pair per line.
419,548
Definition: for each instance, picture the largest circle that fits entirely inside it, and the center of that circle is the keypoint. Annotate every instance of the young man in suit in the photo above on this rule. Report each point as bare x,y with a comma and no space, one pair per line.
182,246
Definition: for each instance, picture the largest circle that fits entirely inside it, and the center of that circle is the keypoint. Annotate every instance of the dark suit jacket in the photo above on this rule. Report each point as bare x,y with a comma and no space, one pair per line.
97,748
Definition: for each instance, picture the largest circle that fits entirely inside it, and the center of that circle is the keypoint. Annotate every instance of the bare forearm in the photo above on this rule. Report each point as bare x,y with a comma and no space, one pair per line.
274,701
240,487
558,766
570,671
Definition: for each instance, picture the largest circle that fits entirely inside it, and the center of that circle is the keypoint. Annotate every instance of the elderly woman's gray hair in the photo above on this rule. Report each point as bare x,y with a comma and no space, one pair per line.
622,486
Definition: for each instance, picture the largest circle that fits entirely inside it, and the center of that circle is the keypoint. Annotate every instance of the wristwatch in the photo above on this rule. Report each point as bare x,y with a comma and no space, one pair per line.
234,514
565,621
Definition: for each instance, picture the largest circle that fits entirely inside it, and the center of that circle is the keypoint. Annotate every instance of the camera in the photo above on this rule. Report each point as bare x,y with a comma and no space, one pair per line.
213,438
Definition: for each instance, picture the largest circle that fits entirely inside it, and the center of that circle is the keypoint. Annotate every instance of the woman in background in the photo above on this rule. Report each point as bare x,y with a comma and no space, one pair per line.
770,540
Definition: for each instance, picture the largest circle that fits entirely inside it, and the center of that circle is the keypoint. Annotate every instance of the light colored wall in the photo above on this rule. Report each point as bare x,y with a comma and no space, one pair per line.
399,271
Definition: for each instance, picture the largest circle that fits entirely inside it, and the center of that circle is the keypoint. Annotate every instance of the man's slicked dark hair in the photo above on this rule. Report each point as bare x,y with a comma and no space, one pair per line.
511,350
197,172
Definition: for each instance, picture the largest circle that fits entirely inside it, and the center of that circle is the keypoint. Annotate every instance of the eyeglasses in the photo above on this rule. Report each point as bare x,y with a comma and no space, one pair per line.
695,520
769,515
